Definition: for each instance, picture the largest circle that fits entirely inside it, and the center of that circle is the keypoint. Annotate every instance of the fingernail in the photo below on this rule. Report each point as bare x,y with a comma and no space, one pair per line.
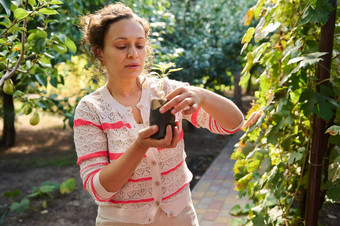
161,110
173,111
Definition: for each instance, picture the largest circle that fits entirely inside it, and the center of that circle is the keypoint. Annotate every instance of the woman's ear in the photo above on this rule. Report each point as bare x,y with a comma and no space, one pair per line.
99,54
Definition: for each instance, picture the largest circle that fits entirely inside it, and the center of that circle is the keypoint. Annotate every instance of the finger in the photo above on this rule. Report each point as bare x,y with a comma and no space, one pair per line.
168,136
187,102
145,133
174,93
191,110
172,103
175,138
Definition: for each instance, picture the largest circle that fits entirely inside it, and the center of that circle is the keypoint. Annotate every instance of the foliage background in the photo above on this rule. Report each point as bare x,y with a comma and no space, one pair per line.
272,165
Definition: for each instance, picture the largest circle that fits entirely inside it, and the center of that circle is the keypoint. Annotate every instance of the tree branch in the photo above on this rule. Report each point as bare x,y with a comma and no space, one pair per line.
9,73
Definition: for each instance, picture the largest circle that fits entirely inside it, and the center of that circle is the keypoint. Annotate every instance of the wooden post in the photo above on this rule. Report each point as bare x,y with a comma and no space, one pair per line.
319,138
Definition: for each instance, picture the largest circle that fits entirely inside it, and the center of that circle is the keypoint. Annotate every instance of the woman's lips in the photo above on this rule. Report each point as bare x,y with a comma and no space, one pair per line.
132,66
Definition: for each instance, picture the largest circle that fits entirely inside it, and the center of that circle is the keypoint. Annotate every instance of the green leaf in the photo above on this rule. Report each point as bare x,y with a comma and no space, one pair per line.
334,170
259,219
41,78
45,62
7,6
56,2
239,221
334,130
236,210
20,13
248,35
318,13
18,94
324,108
70,44
308,100
20,207
39,44
48,11
294,156
333,191
60,48
68,186
306,60
32,2
47,188
12,194
36,34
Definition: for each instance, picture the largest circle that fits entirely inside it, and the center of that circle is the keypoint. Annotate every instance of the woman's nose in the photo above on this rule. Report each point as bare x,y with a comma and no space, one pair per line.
132,53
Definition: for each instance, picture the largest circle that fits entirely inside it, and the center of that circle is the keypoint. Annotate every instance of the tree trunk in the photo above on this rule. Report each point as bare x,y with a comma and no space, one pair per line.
8,133
320,138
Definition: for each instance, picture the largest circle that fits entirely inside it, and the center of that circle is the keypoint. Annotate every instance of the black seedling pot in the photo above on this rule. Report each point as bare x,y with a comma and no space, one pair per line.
162,120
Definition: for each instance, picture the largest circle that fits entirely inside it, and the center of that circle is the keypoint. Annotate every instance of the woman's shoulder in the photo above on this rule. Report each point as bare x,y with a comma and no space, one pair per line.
91,99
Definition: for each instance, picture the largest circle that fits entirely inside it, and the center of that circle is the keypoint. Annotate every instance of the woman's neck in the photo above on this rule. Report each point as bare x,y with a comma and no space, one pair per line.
123,88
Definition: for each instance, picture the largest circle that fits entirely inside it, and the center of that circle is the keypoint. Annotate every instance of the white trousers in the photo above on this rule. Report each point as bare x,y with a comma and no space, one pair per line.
187,217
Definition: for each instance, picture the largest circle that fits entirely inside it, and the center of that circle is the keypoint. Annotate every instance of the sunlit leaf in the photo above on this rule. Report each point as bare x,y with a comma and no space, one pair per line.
306,60
20,13
249,16
48,11
70,44
248,35
32,2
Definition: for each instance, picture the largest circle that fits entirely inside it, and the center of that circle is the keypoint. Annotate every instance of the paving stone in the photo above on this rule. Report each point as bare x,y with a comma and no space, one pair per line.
214,195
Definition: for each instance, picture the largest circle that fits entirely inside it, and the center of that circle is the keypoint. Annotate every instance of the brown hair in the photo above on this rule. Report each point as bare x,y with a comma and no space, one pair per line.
95,26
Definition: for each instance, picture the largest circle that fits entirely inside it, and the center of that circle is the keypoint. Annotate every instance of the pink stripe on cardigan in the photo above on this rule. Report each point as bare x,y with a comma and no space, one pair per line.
103,126
92,155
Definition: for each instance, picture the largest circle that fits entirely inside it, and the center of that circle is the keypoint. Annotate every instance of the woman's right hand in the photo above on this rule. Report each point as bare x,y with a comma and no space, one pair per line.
169,141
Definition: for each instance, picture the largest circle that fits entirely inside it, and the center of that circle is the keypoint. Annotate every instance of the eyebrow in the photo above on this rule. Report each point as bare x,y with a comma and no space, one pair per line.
126,38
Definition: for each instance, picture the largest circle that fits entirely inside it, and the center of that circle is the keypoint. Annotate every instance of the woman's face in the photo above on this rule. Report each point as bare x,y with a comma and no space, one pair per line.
124,49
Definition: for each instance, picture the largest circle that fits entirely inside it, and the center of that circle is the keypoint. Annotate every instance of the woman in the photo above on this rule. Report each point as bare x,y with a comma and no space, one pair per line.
133,178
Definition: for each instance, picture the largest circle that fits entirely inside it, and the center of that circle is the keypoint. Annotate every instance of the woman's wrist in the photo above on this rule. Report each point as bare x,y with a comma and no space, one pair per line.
139,146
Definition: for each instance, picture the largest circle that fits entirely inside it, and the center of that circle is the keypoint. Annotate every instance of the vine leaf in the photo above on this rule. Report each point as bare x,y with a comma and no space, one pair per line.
309,59
248,36
333,130
334,169
317,13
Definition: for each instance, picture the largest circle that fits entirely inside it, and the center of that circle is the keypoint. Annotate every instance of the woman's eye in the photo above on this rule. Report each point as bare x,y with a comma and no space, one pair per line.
121,47
140,46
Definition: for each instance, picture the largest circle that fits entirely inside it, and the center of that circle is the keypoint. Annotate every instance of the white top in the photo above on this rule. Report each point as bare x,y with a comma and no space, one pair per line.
104,129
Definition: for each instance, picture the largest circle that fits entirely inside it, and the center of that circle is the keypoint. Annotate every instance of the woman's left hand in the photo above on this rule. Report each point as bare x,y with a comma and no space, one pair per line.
186,99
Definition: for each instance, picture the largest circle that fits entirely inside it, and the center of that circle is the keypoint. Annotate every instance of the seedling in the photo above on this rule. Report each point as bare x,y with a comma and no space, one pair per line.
156,118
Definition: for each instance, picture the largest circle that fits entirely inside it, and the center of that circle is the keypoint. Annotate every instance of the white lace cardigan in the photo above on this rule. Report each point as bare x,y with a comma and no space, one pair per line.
104,129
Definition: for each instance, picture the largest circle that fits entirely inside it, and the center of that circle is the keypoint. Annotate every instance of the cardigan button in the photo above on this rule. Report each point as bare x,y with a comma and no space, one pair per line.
171,214
157,203
154,163
157,183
